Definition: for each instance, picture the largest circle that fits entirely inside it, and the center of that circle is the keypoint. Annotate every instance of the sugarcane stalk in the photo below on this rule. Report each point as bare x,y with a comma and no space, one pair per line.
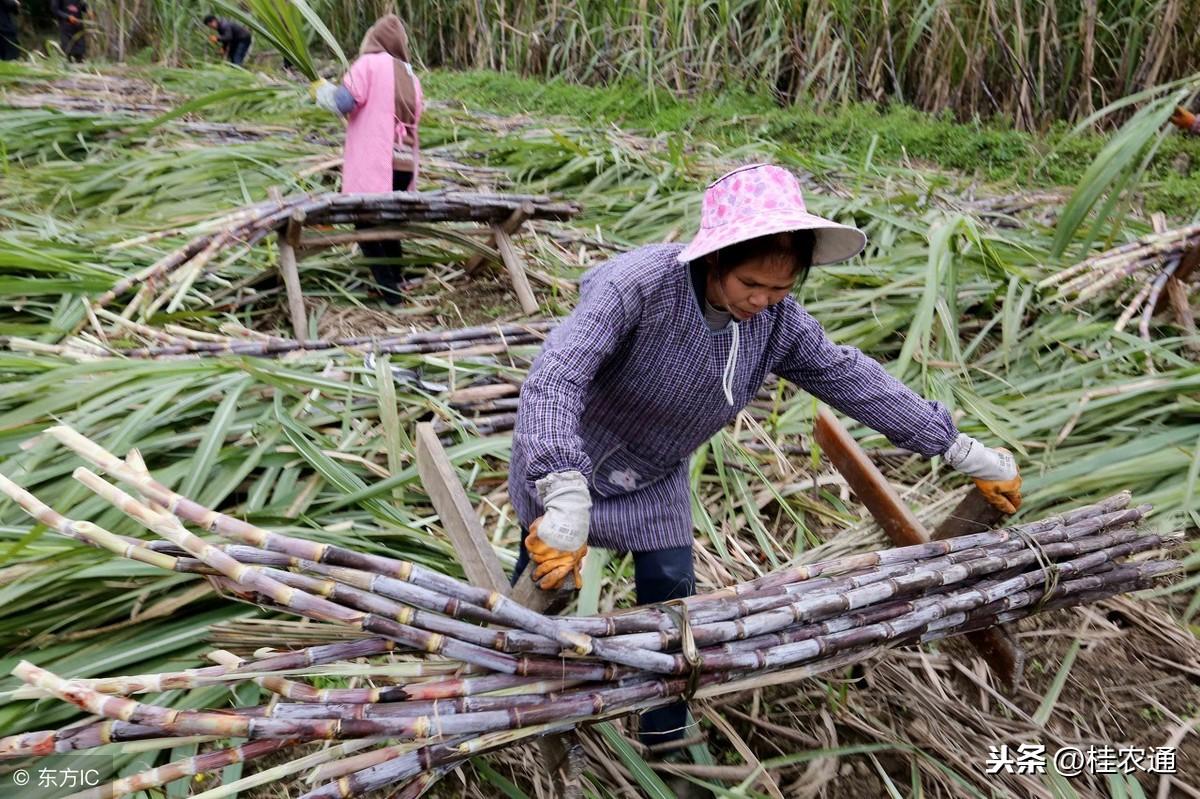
84,531
505,609
187,767
394,345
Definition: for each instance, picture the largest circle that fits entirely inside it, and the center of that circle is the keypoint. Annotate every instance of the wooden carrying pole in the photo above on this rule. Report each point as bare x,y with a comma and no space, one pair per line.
562,755
972,515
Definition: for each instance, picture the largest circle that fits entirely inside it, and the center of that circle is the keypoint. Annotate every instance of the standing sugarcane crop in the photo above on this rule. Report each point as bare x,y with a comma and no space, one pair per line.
382,100
667,345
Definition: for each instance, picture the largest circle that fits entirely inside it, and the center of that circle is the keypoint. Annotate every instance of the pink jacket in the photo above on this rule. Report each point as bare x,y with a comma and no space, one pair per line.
373,130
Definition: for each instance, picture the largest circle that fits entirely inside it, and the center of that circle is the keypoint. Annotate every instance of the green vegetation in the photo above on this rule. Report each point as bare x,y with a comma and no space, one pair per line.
859,134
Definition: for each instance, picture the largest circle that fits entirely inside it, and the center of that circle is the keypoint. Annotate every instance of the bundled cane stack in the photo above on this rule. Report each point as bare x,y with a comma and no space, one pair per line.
1147,265
244,228
461,670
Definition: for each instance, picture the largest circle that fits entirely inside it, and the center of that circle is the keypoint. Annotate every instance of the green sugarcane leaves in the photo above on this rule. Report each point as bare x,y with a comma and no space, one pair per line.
1118,167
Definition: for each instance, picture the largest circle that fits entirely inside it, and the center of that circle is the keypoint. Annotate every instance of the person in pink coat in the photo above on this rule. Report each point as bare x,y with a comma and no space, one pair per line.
382,101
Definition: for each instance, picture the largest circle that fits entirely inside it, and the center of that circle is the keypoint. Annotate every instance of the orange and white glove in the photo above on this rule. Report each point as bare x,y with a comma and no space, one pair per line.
993,470
557,540
1183,118
551,566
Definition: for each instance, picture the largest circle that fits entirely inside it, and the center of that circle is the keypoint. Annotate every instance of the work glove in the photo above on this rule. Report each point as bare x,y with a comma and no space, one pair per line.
325,95
1183,119
993,470
557,540
552,566
72,20
212,39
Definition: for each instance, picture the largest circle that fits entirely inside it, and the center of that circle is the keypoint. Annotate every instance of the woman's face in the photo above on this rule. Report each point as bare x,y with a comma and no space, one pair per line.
752,286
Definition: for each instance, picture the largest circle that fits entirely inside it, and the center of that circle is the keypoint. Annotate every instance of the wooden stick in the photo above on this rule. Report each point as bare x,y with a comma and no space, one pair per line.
999,650
481,567
509,226
288,240
454,508
872,488
516,271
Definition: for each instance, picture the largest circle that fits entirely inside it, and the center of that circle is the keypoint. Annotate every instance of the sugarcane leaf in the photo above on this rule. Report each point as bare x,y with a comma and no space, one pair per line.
1046,707
594,564
650,782
314,20
388,414
1113,165
214,439
495,778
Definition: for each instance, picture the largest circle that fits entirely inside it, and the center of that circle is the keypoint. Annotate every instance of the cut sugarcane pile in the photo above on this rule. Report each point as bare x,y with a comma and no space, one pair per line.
1147,264
484,339
462,670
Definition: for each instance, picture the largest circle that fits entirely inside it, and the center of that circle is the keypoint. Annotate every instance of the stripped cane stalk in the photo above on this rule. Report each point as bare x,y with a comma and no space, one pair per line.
321,609
84,531
197,764
505,609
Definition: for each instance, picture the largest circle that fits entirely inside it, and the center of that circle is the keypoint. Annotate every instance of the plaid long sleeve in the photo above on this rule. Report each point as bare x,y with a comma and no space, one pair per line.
858,386
553,396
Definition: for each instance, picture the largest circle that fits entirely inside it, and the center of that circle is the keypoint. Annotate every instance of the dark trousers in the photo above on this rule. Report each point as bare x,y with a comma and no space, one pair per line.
657,577
385,255
73,42
238,48
9,51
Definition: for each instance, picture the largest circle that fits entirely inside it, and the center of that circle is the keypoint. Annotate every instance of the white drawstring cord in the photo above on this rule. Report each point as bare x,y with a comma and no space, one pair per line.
730,364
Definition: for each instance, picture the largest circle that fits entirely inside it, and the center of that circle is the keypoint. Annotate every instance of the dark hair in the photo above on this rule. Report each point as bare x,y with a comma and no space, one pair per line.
794,245
209,19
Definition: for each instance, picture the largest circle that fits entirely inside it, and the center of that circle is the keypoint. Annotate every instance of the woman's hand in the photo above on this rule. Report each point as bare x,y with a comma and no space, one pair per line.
994,471
557,540
551,566
1004,495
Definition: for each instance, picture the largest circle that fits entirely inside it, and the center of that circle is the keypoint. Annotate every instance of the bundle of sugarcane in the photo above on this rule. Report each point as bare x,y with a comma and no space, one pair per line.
480,340
1148,263
248,226
461,670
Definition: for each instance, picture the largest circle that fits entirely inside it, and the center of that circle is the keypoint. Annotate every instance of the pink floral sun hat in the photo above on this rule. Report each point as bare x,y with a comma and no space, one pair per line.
759,200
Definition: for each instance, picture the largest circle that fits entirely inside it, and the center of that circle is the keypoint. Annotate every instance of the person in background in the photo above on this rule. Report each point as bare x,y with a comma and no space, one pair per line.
9,49
382,100
666,346
233,38
71,35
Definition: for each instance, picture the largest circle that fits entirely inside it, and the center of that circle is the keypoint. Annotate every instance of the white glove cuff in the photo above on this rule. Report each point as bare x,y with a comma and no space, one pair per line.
568,504
563,485
968,456
327,97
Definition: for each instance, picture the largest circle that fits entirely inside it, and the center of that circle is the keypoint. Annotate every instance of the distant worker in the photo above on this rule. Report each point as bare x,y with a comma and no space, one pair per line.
71,36
1185,120
234,39
382,99
9,49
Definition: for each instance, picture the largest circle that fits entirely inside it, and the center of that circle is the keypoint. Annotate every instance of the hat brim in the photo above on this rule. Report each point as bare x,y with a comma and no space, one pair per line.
834,242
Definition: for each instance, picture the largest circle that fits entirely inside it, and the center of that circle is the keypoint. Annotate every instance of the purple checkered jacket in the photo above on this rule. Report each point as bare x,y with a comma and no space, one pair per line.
629,386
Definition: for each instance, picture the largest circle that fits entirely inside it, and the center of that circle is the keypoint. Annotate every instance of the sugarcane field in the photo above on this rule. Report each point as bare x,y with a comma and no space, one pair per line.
535,400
